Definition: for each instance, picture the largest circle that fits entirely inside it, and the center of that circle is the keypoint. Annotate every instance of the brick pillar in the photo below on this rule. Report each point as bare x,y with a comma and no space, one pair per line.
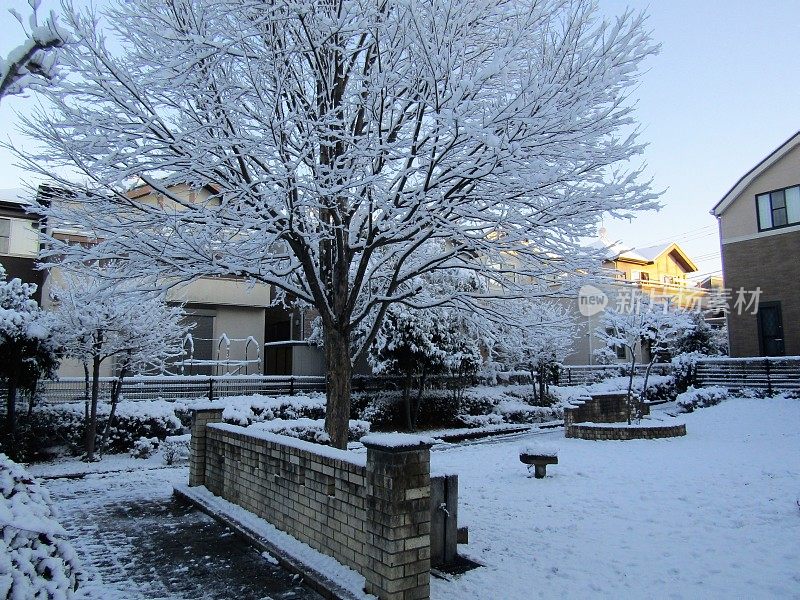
398,544
197,447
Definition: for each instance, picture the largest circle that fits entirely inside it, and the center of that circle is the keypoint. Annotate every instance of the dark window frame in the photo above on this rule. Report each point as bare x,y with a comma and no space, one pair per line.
773,210
5,240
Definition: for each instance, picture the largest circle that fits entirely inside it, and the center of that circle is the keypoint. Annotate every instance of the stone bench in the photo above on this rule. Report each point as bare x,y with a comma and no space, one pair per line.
539,462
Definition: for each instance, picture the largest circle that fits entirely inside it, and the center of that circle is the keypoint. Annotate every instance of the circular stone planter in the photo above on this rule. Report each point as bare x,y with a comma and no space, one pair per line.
620,431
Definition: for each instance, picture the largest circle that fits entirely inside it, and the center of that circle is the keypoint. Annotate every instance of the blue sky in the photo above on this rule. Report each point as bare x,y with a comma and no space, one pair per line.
723,93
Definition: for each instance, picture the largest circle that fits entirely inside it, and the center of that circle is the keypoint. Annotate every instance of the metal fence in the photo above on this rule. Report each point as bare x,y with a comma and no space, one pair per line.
183,387
587,374
772,374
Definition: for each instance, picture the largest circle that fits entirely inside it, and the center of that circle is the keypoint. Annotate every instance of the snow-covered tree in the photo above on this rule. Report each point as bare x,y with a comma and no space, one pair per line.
35,58
102,319
649,327
700,337
538,339
27,350
411,343
341,139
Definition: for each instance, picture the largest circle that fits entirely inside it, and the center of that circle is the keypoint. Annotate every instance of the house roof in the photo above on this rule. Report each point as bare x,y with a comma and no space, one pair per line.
748,177
615,251
142,189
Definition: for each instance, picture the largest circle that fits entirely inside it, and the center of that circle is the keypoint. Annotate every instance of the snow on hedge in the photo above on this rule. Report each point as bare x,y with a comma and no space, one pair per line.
246,410
701,397
36,561
310,430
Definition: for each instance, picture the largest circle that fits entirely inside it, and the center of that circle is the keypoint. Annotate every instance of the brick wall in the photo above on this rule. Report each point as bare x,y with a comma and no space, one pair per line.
770,263
372,515
590,432
600,408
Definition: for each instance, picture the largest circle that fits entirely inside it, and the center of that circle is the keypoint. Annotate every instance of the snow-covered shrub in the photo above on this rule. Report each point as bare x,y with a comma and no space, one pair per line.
310,430
476,404
64,424
246,410
520,412
175,449
701,397
144,447
473,421
660,388
684,367
36,560
382,409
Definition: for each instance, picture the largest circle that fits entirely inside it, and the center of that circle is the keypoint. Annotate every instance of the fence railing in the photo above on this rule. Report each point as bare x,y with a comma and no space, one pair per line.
772,374
183,387
586,374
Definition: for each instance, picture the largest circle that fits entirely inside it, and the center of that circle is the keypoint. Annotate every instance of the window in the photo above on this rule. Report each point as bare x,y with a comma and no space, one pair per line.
779,208
5,236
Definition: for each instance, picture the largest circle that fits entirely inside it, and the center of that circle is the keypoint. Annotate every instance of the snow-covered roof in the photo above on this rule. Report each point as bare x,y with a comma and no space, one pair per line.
647,254
14,196
757,170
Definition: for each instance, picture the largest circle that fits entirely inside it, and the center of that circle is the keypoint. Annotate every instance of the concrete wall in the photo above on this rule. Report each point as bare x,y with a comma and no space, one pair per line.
372,516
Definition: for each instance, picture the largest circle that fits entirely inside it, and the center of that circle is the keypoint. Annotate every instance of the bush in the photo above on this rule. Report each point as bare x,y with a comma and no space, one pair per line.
144,447
246,410
701,397
54,425
310,430
474,421
176,449
660,388
36,560
684,367
385,410
521,413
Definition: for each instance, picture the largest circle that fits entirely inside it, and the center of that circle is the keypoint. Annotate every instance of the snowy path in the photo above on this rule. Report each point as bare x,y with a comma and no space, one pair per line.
711,515
139,543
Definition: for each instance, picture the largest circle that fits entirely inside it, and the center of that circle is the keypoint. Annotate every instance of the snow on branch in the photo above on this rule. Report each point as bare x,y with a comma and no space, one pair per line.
35,58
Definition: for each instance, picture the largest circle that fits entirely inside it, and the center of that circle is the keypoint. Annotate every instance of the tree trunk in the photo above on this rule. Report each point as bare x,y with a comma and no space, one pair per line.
407,383
630,384
11,417
339,370
644,384
415,412
115,391
91,425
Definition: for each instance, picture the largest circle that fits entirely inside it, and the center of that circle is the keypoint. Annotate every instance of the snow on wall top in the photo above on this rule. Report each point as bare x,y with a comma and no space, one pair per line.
318,449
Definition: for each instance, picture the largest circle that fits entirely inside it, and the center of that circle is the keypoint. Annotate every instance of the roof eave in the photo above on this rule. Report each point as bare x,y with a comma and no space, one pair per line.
759,168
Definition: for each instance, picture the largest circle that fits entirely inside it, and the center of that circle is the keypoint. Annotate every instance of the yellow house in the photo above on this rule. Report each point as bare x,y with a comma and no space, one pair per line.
660,272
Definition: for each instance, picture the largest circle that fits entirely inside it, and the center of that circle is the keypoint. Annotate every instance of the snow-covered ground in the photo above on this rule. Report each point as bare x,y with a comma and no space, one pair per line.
709,515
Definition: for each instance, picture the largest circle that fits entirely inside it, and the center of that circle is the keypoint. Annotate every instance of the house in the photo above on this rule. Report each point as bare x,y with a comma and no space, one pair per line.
759,230
19,242
230,316
659,271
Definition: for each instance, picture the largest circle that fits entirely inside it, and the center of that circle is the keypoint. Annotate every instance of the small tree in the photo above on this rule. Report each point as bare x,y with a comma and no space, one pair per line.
700,337
411,343
649,325
103,319
27,349
538,340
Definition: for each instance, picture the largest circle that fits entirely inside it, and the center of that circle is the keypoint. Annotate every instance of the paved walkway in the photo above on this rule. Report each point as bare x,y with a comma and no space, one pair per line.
137,542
